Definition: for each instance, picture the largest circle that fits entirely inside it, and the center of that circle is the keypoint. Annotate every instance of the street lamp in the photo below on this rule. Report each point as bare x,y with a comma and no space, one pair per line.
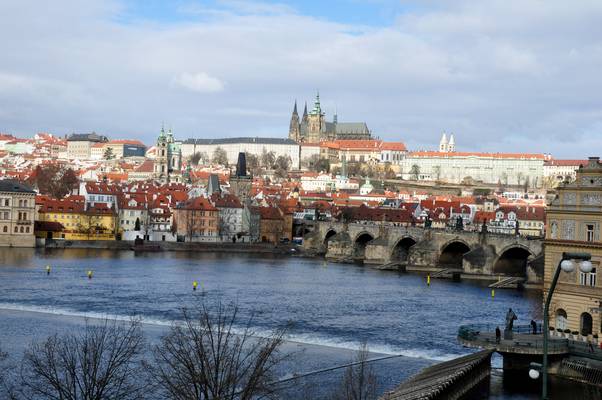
567,264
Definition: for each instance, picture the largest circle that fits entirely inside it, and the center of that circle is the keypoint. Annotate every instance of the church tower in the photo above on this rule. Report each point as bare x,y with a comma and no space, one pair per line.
315,122
451,145
161,169
443,145
294,130
168,159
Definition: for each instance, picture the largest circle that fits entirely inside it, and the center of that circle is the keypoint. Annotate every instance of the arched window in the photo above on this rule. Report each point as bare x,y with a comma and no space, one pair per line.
16,229
5,229
586,324
27,229
561,319
21,230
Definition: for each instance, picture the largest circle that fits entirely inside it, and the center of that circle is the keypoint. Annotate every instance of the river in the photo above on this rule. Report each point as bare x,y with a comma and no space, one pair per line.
333,307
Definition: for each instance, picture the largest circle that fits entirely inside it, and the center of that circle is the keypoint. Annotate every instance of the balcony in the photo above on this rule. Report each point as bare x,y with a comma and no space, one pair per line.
24,222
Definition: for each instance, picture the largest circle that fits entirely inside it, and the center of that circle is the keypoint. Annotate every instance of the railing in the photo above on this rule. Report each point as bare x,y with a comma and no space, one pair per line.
483,333
470,332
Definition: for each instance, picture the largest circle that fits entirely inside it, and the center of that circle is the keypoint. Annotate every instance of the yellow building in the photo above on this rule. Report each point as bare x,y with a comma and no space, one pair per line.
574,222
95,223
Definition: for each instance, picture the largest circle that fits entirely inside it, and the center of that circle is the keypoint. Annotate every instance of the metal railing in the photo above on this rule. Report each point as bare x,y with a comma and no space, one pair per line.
471,331
485,333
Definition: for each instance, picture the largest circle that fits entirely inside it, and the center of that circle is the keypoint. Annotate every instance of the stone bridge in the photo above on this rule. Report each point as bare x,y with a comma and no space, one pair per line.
468,252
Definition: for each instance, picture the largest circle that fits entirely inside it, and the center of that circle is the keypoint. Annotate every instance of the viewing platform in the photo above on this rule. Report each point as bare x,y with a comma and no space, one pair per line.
523,340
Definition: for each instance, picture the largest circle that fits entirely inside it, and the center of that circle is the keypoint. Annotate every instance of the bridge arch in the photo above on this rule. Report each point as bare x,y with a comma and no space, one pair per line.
359,244
513,260
452,253
401,250
329,234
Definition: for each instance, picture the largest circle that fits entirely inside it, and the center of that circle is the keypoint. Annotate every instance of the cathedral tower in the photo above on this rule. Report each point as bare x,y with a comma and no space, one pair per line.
294,130
315,122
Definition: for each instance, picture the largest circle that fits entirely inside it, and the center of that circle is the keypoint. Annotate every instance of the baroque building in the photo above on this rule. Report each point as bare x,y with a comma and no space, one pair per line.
312,127
168,161
574,223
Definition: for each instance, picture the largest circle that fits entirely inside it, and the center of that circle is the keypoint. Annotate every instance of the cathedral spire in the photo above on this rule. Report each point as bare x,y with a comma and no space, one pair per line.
305,110
295,108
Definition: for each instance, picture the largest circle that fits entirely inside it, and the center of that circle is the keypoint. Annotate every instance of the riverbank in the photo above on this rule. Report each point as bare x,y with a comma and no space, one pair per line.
221,247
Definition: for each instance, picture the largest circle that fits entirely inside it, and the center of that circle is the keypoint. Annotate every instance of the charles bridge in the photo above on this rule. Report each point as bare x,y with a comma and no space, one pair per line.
469,253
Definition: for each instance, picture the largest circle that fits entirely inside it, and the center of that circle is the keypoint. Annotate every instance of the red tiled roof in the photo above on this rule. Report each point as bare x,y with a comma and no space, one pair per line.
440,154
566,163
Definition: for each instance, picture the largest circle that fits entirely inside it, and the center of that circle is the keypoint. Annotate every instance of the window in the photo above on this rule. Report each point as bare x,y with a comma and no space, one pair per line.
6,203
5,229
16,229
27,229
21,230
589,233
588,279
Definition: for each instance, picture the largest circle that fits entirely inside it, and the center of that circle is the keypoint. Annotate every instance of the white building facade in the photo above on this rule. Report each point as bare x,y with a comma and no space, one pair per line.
489,168
249,145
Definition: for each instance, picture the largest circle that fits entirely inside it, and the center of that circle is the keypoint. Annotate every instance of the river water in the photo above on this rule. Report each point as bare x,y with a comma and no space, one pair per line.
333,307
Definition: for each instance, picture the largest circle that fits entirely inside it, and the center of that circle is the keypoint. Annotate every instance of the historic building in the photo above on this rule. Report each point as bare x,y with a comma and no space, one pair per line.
451,166
197,220
79,146
574,222
312,127
168,160
249,145
17,214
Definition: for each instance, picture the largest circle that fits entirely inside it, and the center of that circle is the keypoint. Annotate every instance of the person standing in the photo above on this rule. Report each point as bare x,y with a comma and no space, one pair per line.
533,327
498,334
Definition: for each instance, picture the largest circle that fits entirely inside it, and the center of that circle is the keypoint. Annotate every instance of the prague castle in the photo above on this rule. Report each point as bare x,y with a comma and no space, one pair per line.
313,127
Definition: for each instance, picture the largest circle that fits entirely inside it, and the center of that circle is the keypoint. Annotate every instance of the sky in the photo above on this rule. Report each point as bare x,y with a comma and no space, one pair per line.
502,75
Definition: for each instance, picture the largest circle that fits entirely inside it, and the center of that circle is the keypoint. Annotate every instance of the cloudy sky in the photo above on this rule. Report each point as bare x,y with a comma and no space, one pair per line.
503,75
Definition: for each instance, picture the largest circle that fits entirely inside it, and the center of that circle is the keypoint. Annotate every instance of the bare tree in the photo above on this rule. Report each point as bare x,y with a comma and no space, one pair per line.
359,379
7,390
101,362
220,156
415,172
203,358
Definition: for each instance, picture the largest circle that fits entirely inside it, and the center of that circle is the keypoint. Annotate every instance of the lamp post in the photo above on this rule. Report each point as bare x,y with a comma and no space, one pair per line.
567,264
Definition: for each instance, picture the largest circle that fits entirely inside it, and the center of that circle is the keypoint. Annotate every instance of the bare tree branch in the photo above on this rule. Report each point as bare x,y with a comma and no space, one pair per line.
101,362
210,356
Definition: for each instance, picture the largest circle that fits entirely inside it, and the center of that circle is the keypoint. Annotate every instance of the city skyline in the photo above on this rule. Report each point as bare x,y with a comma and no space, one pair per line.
228,69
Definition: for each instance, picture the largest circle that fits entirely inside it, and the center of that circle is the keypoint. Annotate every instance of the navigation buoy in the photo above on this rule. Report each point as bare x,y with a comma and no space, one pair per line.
48,270
194,285
90,274
428,280
492,293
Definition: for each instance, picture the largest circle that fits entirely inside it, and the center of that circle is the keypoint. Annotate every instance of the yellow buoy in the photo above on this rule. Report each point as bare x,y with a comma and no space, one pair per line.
90,274
428,279
48,270
194,285
492,293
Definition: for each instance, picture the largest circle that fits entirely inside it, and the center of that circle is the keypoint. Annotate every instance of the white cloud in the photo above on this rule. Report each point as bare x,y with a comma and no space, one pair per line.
503,75
199,82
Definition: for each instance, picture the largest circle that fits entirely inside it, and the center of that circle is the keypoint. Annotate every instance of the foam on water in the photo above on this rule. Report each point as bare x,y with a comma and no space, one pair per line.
307,339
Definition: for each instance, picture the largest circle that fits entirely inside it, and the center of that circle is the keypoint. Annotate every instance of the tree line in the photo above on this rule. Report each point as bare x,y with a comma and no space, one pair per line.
209,354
